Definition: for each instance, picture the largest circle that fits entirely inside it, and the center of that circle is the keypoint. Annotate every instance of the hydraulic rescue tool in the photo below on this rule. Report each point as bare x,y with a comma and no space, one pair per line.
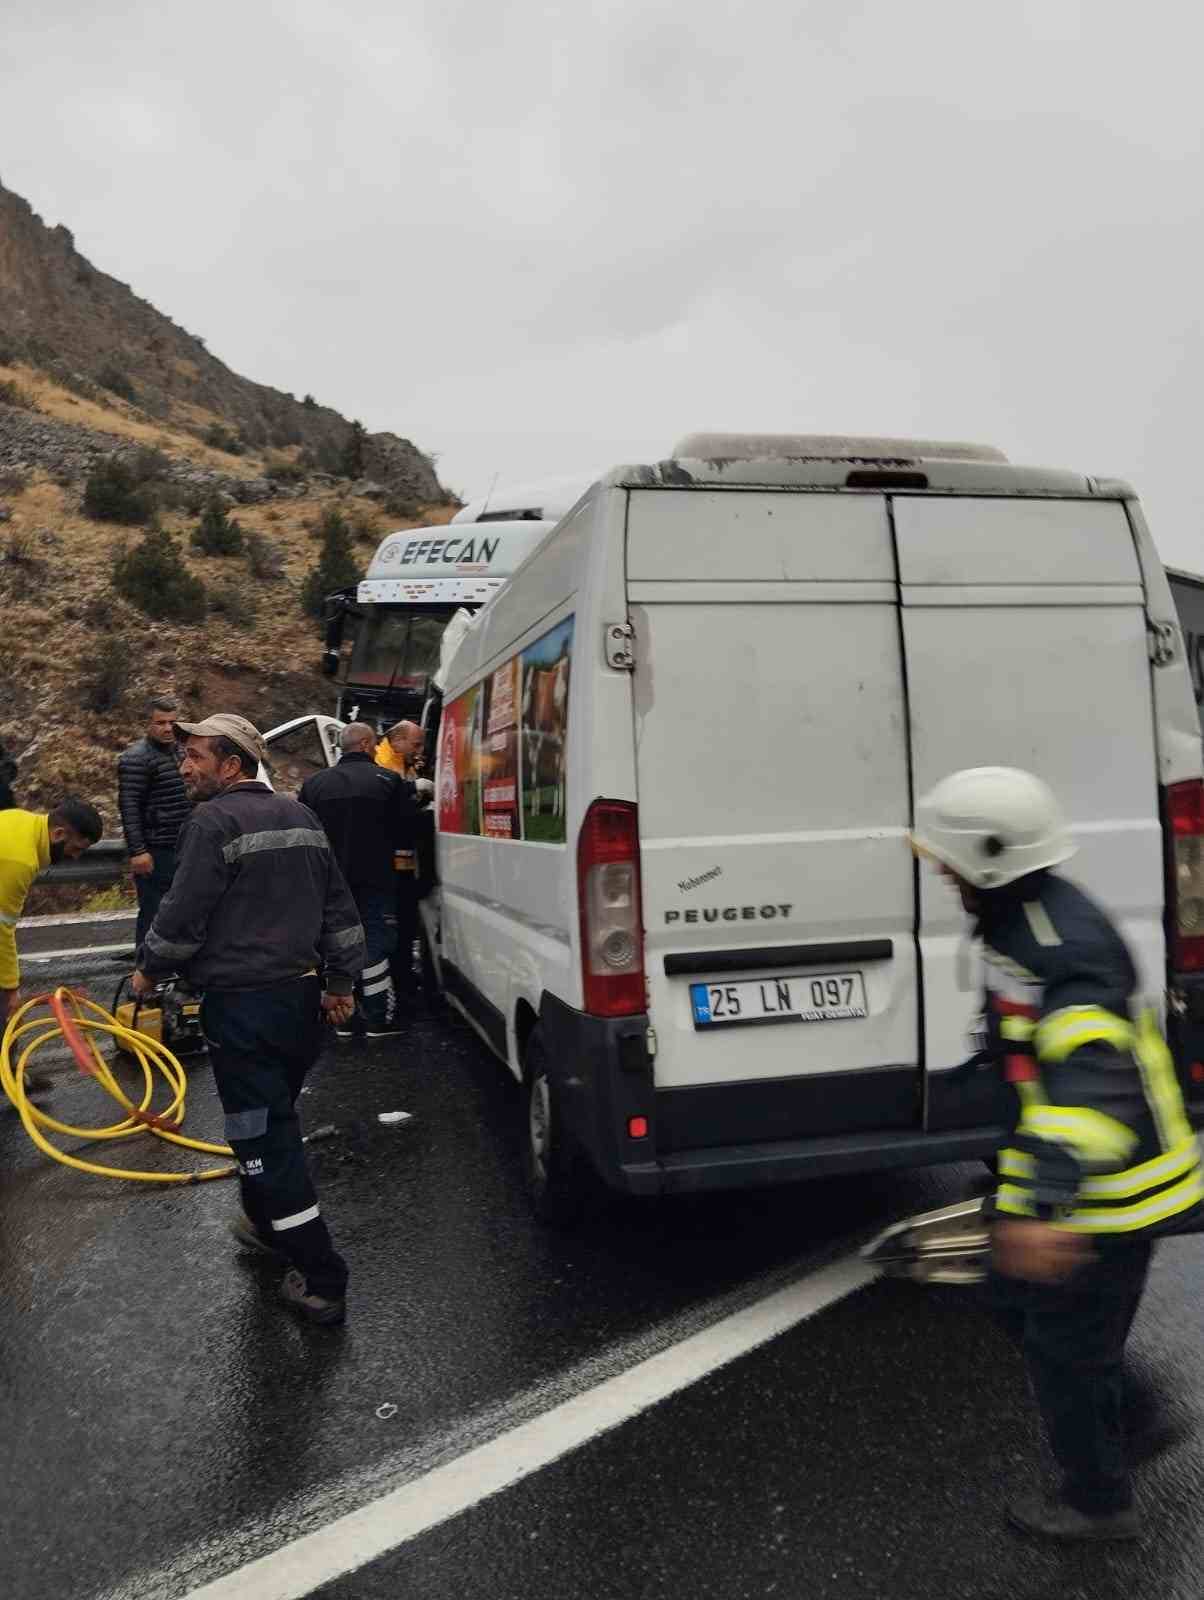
950,1245
80,1022
171,1016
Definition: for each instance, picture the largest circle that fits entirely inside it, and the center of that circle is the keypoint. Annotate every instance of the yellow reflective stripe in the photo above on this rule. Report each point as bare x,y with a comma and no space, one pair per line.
1118,1185
1015,1164
1161,1085
1016,1202
1124,1219
1090,1134
1063,1032
1020,1029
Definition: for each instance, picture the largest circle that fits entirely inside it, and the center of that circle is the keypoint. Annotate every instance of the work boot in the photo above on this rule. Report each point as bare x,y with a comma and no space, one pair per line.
249,1236
313,1307
1054,1519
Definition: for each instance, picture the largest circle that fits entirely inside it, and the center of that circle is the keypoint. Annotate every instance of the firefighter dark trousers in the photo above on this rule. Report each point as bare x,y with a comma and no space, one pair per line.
373,987
1072,1336
262,1042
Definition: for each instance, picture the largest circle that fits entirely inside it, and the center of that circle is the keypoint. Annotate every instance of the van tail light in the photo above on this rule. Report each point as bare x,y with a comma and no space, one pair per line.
1185,885
608,892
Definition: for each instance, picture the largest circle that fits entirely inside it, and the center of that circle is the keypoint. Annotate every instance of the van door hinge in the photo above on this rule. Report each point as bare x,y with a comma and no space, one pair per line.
651,1039
620,646
1162,641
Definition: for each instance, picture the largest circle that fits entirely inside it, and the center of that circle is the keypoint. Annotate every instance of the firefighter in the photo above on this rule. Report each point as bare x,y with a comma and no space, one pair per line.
1101,1159
257,906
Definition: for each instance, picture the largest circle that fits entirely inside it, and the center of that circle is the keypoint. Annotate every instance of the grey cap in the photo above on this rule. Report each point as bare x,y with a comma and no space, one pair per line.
225,725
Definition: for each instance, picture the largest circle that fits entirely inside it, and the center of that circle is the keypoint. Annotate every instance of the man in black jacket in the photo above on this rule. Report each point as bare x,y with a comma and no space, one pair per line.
154,807
368,813
257,908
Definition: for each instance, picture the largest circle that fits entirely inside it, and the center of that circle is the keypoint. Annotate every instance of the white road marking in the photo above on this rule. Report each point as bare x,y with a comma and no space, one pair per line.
83,953
72,918
362,1536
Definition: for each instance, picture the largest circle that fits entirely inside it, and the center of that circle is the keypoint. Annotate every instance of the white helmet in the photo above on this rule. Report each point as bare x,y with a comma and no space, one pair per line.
992,825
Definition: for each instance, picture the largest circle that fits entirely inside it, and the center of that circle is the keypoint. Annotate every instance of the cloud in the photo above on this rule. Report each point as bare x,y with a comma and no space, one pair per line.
537,233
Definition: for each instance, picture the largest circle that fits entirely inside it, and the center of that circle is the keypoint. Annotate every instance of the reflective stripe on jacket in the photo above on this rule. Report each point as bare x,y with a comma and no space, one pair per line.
257,899
1101,1143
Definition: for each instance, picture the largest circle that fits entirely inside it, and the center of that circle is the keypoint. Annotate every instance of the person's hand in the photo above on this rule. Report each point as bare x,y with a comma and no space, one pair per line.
338,1007
141,985
1037,1251
142,863
10,1004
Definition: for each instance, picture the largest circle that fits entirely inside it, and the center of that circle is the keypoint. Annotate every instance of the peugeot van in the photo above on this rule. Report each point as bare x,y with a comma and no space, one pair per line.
678,757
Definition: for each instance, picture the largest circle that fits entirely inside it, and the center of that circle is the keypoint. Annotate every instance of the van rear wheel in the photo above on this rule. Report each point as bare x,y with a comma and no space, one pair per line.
560,1184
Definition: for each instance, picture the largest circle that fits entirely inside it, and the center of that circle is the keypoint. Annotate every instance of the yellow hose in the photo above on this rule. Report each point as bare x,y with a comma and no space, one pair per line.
79,1030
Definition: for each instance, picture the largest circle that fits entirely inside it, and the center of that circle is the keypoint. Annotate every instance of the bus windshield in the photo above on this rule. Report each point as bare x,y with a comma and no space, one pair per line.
397,648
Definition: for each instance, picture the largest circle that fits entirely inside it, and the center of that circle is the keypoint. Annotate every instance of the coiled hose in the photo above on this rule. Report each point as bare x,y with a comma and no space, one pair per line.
79,1021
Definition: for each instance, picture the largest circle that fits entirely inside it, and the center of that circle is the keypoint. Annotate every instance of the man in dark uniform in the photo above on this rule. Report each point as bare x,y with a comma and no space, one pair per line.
368,813
1101,1159
257,909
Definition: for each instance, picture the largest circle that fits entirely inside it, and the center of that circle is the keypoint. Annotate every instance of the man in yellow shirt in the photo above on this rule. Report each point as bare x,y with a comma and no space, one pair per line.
29,841
400,748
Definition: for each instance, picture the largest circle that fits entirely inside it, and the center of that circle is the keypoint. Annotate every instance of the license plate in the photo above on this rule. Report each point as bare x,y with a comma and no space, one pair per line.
831,997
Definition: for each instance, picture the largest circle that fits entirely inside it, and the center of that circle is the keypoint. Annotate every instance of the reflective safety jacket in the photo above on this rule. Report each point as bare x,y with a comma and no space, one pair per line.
1102,1143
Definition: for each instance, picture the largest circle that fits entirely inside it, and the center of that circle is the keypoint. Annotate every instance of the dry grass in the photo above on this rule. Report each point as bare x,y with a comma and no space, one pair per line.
129,425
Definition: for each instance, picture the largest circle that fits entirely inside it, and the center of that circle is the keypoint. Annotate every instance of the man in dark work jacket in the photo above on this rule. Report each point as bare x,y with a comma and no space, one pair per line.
257,908
368,812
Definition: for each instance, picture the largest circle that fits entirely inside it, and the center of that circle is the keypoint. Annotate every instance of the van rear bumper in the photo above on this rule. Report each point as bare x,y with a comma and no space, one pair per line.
602,1077
754,1165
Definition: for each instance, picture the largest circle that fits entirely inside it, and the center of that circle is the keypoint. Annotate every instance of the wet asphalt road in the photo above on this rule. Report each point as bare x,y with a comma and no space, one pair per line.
164,1421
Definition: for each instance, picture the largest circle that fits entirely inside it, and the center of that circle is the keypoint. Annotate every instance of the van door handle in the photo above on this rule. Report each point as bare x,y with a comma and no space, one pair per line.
692,962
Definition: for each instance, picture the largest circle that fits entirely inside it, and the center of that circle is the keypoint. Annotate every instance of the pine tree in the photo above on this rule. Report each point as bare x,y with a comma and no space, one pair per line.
336,566
155,577
216,534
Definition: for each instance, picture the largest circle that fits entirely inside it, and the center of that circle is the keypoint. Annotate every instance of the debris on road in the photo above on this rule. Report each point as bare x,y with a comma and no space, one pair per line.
395,1116
386,1411
326,1131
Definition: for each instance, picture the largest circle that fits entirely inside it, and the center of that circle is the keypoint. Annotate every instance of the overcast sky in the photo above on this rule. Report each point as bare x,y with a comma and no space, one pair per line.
543,238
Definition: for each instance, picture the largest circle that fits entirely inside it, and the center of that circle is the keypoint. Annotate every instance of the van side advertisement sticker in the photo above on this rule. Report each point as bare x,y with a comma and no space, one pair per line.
503,745
545,714
499,753
459,811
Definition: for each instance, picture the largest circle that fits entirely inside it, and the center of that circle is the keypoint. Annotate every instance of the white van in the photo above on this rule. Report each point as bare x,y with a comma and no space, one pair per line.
678,757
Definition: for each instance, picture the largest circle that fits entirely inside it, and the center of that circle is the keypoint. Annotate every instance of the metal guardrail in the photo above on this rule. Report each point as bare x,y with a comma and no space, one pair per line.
105,862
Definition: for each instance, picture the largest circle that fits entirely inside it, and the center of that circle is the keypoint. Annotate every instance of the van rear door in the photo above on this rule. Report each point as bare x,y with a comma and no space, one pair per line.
772,773
1025,635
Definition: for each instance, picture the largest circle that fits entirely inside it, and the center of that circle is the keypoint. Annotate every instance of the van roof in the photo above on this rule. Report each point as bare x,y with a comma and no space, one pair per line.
826,447
825,461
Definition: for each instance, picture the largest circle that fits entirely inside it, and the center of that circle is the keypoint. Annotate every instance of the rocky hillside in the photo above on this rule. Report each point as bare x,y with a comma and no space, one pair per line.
89,373
85,329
